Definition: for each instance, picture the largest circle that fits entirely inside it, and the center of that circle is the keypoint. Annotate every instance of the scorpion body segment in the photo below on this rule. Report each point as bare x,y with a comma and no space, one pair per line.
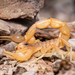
42,49
46,48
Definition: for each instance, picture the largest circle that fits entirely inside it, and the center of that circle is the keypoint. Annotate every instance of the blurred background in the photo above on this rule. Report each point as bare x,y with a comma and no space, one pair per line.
63,10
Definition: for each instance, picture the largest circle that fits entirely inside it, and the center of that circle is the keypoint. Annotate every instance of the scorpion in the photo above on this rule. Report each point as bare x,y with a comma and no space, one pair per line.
40,49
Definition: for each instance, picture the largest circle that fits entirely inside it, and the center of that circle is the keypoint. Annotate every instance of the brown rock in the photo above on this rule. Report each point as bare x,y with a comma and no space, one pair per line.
4,29
10,9
13,27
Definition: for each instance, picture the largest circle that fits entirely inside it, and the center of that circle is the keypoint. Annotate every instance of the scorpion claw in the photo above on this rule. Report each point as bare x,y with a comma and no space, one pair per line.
20,56
8,54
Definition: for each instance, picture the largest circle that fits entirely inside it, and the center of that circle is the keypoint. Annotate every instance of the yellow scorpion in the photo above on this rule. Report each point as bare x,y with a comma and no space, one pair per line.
41,49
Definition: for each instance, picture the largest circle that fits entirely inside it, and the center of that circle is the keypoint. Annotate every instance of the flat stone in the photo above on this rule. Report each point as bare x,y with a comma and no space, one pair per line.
10,9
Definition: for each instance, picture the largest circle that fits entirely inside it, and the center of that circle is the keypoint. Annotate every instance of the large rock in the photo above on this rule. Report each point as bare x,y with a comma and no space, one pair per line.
11,28
10,9
15,26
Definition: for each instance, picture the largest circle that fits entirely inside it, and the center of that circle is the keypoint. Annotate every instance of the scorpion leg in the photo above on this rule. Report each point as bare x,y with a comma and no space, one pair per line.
51,48
68,46
55,50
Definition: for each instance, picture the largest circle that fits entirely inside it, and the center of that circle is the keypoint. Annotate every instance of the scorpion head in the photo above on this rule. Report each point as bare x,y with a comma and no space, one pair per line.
22,45
23,53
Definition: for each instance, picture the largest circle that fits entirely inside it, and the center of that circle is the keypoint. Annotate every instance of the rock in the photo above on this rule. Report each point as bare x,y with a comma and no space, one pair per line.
1,50
13,27
10,9
72,42
4,29
9,47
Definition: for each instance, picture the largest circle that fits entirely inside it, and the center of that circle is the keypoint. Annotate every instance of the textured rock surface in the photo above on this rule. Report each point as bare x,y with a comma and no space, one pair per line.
10,9
4,29
10,28
13,27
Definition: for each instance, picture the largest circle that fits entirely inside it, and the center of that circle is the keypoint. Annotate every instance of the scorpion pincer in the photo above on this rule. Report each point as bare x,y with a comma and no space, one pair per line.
46,48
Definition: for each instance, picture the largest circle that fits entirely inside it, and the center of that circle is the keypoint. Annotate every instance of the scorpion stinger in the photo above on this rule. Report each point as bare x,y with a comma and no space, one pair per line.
15,38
